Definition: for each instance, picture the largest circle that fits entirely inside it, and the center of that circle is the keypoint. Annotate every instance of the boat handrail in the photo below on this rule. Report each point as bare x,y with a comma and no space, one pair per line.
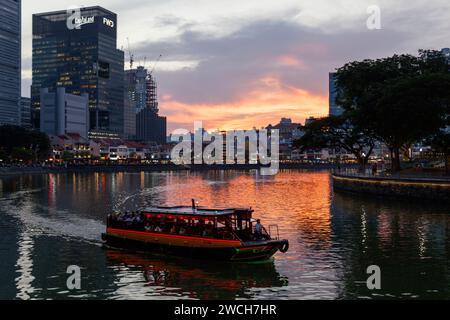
277,230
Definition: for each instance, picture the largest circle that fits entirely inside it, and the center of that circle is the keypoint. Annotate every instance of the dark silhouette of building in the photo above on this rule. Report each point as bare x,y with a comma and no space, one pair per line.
151,127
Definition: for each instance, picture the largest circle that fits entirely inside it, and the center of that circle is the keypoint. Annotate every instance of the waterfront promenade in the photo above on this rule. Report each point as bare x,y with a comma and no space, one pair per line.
406,185
36,169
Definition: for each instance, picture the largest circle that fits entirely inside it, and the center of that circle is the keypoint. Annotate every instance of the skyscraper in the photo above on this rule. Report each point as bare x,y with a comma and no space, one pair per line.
10,60
25,112
141,93
151,127
335,109
77,50
136,87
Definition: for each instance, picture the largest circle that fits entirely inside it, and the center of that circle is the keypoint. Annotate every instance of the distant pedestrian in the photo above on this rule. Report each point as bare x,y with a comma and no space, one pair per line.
374,169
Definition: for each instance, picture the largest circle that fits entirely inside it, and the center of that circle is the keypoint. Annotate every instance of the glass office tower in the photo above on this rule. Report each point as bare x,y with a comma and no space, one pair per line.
78,51
10,60
335,109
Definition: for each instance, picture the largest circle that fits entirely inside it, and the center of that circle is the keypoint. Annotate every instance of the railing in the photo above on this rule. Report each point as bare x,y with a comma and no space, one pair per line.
389,176
276,230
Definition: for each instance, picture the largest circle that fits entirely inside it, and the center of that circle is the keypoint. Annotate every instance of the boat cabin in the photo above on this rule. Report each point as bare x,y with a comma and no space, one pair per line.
227,224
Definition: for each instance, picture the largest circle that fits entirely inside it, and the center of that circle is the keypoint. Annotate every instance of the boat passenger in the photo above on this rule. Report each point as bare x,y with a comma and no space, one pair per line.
258,229
148,227
173,230
138,220
182,231
158,229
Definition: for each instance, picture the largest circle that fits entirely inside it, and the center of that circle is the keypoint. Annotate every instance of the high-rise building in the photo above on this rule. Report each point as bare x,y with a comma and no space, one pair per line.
446,53
335,109
25,112
135,98
136,87
129,119
77,50
152,95
63,113
10,61
151,127
141,94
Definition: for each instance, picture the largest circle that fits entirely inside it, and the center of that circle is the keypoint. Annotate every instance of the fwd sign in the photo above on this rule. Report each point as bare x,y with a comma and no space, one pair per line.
108,22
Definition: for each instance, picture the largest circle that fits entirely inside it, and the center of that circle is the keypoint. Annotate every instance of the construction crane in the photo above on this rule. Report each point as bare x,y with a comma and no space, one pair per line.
154,66
131,54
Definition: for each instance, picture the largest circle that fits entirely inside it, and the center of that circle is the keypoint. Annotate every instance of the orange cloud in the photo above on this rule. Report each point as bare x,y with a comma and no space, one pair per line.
289,61
266,103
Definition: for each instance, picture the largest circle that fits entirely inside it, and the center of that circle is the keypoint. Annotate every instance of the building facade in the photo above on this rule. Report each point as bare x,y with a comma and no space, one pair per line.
135,98
25,112
140,93
151,127
63,113
136,87
77,50
335,109
10,61
129,119
141,96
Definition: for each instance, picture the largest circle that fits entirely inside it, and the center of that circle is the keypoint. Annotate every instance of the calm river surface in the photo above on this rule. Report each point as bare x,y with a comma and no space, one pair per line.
49,222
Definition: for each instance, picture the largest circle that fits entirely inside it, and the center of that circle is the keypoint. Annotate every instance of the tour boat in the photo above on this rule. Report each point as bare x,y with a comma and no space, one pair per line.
230,234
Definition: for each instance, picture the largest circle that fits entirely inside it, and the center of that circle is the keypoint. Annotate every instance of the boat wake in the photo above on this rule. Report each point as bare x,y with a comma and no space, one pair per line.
29,217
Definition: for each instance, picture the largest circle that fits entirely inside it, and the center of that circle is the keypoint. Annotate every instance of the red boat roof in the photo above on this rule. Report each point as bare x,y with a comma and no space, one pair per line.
199,211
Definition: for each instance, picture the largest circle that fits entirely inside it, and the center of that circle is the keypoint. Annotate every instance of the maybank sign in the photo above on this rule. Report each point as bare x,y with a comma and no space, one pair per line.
75,21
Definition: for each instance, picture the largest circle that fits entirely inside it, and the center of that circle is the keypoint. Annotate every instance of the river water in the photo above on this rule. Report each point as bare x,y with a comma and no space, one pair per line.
50,222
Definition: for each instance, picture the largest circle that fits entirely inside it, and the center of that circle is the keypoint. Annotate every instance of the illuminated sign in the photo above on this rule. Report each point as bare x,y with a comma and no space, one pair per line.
84,20
108,22
75,20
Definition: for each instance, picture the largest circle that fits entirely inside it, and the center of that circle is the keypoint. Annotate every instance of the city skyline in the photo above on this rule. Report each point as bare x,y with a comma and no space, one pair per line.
257,62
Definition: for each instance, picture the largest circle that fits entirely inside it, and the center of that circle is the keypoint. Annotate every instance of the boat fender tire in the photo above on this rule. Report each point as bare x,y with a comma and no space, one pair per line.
284,247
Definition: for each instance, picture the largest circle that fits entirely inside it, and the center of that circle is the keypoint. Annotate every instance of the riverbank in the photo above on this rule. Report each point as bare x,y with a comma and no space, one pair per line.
417,187
24,170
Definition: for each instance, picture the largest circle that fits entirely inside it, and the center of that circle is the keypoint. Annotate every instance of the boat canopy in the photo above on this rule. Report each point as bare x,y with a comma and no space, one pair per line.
199,211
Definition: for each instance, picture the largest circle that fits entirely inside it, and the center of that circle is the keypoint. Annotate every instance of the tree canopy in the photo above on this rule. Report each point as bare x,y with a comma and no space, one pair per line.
337,132
399,100
17,143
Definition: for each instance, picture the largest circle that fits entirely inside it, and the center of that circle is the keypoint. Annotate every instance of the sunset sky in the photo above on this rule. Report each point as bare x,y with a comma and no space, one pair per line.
247,63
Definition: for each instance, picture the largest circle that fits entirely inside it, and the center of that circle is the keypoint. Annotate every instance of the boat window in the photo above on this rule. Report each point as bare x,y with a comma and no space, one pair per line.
207,227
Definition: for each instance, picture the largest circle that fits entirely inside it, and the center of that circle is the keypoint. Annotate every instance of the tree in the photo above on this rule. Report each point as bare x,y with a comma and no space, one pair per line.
40,144
14,138
22,154
399,100
440,143
338,133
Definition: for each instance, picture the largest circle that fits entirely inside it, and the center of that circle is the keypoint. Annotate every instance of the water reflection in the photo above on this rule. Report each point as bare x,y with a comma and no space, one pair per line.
195,280
408,240
24,267
52,221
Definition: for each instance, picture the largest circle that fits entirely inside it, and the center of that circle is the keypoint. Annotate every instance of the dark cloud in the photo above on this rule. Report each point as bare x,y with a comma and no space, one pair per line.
229,66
